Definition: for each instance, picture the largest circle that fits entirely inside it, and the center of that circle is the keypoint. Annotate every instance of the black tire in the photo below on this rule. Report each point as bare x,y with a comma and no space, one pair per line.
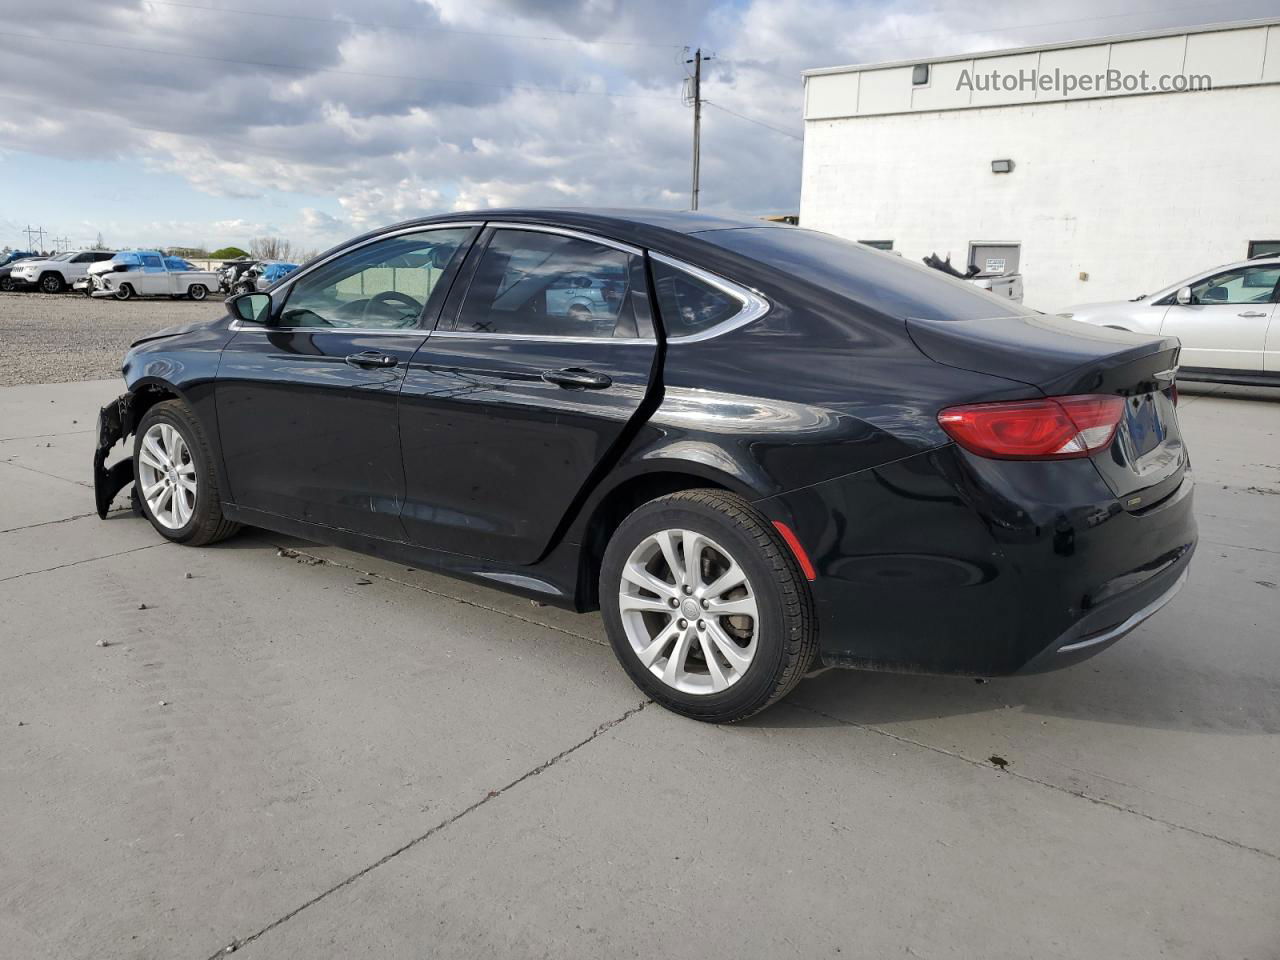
124,292
52,283
6,284
787,639
207,525
197,291
245,288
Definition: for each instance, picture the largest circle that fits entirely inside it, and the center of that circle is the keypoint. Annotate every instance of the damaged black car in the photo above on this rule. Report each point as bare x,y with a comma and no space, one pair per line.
753,447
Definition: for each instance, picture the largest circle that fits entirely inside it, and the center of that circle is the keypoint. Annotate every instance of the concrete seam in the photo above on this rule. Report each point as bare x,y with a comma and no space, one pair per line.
235,945
1100,801
46,523
76,563
52,476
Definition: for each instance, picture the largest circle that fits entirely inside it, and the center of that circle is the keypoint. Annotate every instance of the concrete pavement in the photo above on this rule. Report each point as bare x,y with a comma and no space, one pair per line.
280,757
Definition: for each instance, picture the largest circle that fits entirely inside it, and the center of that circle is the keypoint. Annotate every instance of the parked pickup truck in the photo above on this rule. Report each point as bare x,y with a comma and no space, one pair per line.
148,273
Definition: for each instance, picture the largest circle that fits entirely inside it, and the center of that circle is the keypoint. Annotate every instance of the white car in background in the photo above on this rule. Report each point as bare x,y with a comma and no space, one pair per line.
1227,319
55,274
149,273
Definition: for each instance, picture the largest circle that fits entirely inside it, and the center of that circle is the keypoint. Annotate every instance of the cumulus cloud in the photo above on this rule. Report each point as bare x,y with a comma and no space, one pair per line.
396,108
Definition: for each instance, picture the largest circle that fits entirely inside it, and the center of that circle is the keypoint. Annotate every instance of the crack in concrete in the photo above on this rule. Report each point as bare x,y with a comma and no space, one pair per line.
43,473
1237,546
78,516
437,593
1026,778
238,944
43,436
76,563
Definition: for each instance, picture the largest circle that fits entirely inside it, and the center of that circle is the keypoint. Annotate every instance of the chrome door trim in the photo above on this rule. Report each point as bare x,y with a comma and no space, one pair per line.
754,305
566,232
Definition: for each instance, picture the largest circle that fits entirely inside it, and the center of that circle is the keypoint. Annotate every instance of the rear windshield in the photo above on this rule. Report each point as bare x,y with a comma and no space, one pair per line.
882,281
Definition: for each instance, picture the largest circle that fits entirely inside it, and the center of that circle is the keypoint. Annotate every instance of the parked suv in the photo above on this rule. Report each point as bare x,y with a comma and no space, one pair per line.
15,255
59,273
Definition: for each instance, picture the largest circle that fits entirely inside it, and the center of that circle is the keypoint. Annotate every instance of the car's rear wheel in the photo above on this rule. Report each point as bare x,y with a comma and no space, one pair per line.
124,292
174,477
51,283
197,291
705,606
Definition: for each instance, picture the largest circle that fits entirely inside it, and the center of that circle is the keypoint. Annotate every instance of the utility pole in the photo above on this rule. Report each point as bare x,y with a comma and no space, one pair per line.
695,97
37,231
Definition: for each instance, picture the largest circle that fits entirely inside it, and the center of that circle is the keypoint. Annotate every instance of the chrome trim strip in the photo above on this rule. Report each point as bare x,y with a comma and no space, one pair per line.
546,337
754,306
1120,630
359,331
286,282
567,232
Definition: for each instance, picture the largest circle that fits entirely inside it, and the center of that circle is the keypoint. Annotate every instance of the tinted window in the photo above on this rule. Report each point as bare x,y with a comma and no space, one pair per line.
689,305
1242,285
384,285
879,281
105,255
84,258
547,284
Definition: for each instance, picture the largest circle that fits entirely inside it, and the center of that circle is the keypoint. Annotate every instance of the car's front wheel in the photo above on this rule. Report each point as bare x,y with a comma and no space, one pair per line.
124,292
174,477
705,606
6,284
52,283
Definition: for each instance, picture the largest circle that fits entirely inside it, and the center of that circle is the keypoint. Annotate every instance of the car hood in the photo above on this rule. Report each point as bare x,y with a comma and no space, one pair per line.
180,329
34,263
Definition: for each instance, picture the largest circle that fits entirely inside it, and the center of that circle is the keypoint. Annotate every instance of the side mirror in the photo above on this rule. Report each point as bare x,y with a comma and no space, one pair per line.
1184,296
250,307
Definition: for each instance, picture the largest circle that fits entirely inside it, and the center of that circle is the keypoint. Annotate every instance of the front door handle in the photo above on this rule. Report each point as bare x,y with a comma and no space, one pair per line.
1251,313
576,378
370,358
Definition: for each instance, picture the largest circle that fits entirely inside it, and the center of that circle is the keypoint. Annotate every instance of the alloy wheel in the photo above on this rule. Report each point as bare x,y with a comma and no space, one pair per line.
689,611
167,476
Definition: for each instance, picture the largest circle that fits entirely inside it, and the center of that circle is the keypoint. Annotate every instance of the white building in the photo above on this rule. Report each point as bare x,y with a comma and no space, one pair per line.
1109,192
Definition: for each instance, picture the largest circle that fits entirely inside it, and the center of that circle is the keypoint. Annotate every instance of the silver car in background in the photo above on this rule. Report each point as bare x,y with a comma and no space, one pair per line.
1227,319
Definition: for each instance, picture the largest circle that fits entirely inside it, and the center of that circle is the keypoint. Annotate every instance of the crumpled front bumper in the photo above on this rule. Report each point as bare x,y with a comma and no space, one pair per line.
115,422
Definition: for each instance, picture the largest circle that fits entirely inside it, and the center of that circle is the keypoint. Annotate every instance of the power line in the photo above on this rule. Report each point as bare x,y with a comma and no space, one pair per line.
401,27
344,73
758,123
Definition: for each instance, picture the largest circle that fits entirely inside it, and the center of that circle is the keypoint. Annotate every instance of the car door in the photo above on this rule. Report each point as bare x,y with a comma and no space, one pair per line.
1224,327
515,402
307,403
150,279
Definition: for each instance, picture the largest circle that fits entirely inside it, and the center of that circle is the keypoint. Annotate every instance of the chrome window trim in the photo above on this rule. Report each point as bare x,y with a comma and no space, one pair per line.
297,275
567,232
754,305
550,337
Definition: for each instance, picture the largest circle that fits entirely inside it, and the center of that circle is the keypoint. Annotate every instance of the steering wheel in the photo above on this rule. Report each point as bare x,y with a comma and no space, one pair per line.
390,298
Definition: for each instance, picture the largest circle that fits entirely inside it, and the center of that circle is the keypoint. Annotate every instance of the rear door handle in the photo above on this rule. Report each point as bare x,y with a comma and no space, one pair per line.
576,378
370,358
1251,313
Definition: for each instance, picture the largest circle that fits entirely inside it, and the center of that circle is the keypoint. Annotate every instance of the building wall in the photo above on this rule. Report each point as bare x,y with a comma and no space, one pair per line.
1135,191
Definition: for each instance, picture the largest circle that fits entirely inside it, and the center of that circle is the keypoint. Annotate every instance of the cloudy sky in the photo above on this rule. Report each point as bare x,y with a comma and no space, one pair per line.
205,122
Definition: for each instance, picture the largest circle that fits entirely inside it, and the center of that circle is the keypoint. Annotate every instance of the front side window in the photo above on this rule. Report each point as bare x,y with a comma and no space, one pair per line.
1241,285
689,305
530,283
384,285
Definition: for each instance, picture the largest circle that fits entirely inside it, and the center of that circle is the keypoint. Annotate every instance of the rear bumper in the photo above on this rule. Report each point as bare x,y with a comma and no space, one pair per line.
950,564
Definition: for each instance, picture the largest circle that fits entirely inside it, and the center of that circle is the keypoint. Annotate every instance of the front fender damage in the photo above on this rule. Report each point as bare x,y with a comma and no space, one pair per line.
115,422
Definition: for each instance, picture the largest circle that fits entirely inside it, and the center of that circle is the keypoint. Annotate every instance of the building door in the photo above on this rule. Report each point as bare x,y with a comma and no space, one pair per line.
995,259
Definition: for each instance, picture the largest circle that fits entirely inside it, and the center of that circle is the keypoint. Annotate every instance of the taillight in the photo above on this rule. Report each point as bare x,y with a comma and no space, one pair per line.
1056,428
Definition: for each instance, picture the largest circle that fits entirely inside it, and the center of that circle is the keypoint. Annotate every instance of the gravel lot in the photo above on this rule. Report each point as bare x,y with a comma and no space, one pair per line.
68,337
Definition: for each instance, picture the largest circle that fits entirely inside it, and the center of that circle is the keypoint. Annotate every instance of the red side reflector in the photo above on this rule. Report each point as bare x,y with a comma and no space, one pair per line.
1055,428
802,558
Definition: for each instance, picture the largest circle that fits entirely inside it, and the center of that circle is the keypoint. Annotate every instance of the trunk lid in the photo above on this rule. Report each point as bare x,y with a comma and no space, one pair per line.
1061,357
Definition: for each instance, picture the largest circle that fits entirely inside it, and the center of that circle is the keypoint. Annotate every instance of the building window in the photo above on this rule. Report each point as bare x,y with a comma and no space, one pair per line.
1264,248
878,244
994,259
920,75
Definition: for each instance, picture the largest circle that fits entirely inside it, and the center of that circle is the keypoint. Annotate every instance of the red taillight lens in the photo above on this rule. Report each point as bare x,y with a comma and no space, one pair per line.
1056,428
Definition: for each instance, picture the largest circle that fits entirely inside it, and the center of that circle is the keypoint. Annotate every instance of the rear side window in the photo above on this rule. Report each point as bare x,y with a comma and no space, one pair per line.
690,305
533,283
152,261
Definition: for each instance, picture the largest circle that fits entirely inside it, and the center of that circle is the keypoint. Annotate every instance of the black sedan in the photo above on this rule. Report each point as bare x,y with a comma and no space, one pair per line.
768,448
